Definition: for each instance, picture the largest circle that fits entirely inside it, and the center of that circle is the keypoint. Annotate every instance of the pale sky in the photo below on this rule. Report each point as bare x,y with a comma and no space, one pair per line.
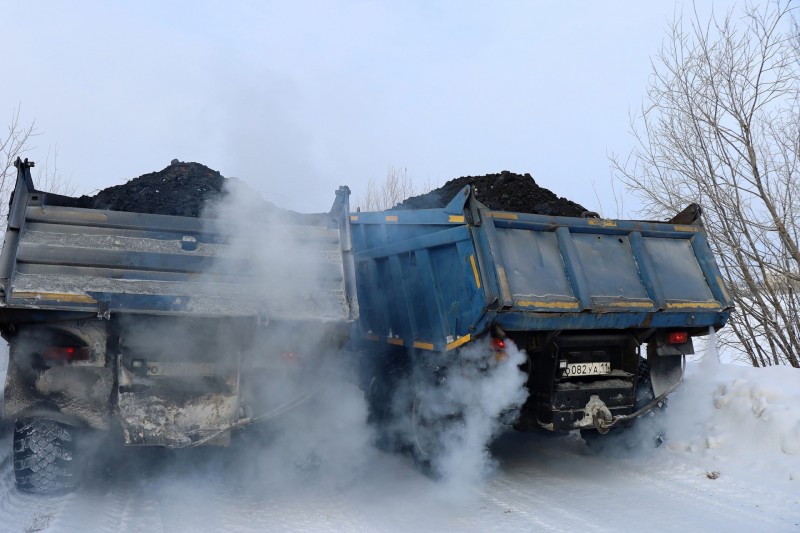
299,97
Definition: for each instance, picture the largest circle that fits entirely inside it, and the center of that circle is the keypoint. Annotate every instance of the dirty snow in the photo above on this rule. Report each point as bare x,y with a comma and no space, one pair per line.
731,461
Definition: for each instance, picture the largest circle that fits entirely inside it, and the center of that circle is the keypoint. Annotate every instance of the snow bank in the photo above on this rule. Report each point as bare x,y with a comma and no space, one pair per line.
737,419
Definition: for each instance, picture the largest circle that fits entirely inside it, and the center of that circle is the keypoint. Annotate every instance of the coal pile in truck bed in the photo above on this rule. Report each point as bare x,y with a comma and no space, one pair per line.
181,189
505,191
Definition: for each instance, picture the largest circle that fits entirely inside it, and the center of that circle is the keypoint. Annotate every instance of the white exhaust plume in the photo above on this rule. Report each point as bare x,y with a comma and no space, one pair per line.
459,412
483,393
449,413
297,352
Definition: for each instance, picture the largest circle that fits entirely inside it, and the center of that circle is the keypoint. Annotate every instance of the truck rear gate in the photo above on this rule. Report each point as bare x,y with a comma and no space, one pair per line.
182,328
442,277
85,260
436,279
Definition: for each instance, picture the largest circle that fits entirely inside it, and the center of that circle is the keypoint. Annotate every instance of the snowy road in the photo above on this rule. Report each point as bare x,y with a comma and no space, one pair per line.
543,483
740,423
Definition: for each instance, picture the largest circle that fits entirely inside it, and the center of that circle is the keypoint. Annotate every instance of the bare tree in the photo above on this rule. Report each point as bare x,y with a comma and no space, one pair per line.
49,178
384,195
15,143
721,127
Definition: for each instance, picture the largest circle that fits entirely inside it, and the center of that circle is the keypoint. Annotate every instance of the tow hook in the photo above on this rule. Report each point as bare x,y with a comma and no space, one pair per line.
597,415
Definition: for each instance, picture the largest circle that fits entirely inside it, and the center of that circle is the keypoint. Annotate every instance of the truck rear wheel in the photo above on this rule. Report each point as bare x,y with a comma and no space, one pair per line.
426,436
429,429
44,459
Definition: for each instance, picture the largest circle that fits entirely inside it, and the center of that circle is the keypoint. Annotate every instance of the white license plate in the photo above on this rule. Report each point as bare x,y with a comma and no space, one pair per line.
587,369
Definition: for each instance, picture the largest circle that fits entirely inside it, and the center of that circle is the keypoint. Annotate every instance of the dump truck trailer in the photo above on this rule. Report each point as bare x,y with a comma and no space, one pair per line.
581,297
177,330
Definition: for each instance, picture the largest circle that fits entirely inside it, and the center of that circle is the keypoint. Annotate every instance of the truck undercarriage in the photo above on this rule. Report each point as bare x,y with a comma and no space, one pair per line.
594,380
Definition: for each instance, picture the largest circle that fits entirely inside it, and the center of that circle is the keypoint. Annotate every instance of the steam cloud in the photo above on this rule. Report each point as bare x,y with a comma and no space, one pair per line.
296,354
483,390
451,409
324,442
327,438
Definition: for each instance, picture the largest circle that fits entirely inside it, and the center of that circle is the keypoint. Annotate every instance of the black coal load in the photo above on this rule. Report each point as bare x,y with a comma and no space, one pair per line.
184,189
505,191
181,189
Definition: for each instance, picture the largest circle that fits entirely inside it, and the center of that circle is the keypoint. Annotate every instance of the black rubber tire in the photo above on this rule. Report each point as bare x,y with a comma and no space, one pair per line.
427,438
44,458
425,441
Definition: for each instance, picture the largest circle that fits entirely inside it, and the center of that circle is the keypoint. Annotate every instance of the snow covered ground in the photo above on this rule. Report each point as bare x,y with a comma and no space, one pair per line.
731,462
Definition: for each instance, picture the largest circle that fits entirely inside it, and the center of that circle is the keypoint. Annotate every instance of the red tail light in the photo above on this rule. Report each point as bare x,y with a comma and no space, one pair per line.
678,337
499,347
66,353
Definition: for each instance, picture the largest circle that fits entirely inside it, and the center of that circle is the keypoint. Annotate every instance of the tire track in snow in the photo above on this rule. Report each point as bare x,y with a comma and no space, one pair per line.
543,483
107,501
97,508
546,507
27,512
657,481
19,511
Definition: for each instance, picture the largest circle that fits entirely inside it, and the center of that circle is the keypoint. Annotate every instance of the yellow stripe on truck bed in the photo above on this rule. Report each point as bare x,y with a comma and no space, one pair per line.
54,297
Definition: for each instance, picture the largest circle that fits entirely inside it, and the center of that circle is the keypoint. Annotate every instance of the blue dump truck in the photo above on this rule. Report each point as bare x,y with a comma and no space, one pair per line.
176,329
580,296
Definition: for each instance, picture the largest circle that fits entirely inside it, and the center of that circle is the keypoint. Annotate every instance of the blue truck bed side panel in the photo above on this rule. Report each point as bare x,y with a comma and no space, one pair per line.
431,279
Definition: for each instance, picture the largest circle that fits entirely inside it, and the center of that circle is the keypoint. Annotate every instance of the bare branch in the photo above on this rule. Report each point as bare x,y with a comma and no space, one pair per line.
396,187
721,127
16,142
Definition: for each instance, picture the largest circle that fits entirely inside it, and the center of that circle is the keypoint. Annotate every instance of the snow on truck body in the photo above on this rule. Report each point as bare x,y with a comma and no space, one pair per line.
172,325
579,295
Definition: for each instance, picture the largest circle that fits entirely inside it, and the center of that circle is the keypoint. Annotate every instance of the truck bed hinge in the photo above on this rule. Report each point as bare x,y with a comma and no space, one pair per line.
104,309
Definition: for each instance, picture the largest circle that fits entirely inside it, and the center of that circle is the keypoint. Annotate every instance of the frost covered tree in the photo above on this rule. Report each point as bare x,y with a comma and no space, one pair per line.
720,126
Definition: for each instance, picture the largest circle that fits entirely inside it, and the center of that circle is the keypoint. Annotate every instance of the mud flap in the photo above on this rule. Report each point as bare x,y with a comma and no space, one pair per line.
666,371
